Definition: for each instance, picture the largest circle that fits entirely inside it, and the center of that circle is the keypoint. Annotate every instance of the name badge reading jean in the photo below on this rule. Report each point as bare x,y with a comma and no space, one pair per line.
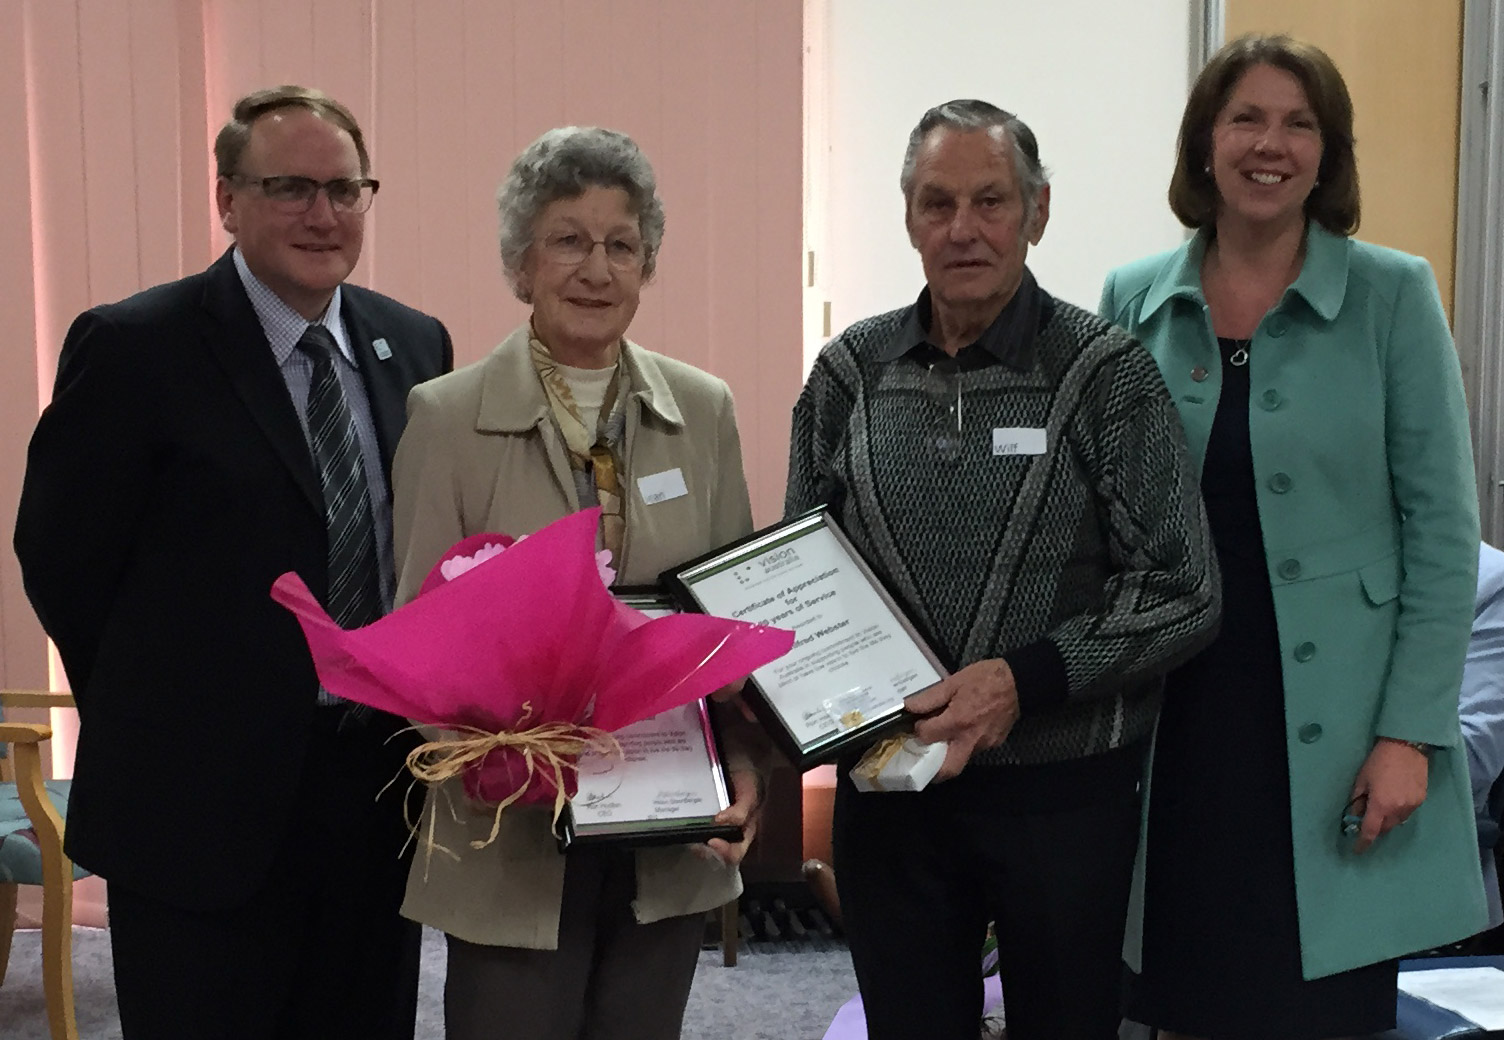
1017,440
662,487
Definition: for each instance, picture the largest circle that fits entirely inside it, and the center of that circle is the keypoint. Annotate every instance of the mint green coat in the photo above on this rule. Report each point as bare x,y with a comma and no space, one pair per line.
1369,514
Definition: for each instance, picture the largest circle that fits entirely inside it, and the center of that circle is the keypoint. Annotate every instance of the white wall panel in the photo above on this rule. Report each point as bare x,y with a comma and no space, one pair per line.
1101,84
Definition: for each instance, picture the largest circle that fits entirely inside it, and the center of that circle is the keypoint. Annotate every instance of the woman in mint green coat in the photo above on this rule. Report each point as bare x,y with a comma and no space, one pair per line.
1309,815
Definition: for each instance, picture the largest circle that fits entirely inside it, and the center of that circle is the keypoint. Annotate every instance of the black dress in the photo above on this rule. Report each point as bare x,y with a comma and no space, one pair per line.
1221,954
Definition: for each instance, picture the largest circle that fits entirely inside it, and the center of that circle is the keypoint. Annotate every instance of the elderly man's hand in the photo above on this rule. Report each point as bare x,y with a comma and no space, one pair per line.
747,787
1389,787
976,708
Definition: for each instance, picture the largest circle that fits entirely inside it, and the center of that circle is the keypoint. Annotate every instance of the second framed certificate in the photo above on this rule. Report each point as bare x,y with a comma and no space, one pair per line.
668,783
855,656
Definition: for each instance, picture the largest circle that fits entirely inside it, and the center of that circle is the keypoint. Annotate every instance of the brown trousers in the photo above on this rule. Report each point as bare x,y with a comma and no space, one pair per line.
610,977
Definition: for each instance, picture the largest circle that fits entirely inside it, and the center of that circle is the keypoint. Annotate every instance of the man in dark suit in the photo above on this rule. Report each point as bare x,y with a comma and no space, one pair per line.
204,437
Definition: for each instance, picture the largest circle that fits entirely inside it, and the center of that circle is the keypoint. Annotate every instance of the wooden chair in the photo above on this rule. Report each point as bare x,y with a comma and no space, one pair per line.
730,932
44,805
822,881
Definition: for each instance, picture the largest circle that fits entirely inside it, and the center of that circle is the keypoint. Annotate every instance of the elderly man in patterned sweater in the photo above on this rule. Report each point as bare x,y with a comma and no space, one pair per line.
1013,468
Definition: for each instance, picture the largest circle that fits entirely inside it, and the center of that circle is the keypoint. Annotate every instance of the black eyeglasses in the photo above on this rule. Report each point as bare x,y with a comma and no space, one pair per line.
293,194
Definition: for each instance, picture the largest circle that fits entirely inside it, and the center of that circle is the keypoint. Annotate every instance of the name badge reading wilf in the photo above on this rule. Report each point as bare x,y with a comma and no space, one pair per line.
1017,440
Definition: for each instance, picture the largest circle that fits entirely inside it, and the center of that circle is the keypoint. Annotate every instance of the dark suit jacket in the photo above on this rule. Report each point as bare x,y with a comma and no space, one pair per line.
167,486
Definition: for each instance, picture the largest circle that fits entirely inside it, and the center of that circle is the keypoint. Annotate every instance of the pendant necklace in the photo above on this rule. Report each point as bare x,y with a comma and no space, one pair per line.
1240,355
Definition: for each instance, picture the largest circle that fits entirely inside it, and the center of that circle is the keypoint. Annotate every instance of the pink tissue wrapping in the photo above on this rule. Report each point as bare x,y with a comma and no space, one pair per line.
527,636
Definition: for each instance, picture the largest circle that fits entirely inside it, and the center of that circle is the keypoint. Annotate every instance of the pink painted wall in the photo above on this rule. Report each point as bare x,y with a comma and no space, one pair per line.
108,108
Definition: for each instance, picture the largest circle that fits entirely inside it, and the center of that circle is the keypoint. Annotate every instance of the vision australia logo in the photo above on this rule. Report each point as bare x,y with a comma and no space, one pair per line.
778,560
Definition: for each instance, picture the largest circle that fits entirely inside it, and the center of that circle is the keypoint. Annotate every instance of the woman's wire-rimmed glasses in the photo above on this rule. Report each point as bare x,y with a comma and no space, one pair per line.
572,248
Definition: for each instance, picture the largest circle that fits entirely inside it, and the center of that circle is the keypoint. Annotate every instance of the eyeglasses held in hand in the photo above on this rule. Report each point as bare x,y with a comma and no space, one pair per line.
293,194
572,248
942,387
1352,815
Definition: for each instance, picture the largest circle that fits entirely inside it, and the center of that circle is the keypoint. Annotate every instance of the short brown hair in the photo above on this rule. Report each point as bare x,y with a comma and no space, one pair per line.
233,137
1333,202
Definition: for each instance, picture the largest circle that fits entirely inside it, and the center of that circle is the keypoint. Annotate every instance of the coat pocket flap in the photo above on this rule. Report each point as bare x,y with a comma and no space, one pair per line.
1381,579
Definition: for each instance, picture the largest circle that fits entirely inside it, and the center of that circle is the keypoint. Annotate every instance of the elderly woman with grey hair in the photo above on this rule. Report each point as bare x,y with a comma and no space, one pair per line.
565,414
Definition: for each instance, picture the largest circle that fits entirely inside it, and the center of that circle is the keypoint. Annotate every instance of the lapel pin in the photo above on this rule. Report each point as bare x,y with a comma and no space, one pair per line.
383,351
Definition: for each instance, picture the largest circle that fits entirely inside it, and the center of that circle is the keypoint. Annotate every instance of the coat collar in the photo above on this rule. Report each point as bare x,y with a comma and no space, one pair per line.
511,401
371,350
1322,281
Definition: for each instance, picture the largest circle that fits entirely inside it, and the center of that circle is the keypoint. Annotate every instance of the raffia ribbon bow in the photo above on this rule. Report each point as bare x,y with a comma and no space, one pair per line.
549,749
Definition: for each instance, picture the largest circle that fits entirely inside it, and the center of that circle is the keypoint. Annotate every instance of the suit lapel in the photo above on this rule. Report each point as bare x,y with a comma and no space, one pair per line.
385,387
237,342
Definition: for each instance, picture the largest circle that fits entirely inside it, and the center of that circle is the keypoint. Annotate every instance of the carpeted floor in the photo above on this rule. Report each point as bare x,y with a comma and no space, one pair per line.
774,993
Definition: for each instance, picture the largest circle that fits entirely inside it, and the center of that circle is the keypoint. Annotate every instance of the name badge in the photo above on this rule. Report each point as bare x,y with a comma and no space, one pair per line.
662,487
1017,440
383,351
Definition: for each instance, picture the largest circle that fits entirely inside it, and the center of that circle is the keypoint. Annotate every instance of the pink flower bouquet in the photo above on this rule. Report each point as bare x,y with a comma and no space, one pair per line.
518,649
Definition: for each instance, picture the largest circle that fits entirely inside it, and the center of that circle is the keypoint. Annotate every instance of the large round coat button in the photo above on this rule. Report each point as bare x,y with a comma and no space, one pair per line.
1289,569
1270,400
1198,374
1310,733
1280,483
1305,651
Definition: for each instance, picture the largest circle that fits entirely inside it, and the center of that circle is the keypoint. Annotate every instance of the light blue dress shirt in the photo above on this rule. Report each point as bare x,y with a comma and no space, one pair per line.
1482,706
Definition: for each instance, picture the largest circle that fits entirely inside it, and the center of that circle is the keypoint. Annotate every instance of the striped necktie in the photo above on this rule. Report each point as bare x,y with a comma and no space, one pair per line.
354,597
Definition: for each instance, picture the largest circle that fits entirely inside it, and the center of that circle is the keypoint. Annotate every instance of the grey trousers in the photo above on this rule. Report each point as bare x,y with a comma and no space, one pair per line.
610,977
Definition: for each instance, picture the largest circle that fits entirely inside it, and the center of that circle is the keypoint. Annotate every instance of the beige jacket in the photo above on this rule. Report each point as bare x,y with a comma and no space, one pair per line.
481,453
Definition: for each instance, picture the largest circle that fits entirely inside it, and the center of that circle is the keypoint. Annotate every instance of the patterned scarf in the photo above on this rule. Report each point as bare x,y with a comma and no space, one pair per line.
594,455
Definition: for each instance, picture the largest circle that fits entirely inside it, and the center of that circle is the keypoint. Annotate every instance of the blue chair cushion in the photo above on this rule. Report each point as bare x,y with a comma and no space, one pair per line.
20,855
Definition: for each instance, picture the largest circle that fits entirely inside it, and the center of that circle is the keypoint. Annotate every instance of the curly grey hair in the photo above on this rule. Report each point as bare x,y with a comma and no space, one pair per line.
966,114
562,164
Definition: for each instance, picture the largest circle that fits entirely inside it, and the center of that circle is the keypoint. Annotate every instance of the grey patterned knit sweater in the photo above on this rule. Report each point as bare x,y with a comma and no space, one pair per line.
1089,568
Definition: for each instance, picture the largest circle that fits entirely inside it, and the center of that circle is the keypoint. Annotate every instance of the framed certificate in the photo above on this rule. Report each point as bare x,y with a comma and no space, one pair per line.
667,785
855,656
